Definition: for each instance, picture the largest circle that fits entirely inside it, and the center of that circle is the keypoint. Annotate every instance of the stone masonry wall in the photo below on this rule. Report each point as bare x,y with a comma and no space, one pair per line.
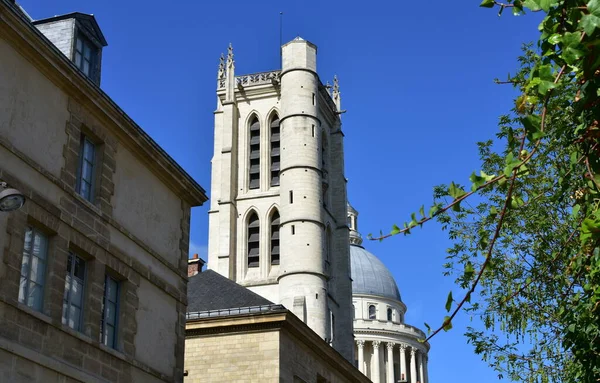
248,357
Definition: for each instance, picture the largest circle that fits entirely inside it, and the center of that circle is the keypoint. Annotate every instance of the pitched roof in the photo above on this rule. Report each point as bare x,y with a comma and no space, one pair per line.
210,290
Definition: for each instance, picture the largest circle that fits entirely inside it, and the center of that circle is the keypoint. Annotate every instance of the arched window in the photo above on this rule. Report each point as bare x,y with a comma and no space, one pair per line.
253,240
275,154
390,314
372,312
275,238
254,165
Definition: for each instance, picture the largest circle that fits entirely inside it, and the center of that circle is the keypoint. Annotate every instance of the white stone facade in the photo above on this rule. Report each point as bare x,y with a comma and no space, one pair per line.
288,240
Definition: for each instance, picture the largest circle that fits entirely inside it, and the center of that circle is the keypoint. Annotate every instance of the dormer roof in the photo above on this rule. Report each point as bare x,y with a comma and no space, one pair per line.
86,21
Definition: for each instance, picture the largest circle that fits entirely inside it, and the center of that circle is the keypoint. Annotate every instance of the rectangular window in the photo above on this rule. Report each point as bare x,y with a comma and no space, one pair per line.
84,55
110,310
73,296
87,168
291,196
33,269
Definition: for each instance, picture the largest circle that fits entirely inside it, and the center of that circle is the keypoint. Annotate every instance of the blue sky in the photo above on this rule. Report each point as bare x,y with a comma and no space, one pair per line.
416,79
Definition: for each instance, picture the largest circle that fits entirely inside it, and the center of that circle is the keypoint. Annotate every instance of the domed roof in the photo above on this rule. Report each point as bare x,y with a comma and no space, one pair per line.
370,276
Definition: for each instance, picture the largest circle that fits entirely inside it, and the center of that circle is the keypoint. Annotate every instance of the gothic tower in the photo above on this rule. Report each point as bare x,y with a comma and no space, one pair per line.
277,223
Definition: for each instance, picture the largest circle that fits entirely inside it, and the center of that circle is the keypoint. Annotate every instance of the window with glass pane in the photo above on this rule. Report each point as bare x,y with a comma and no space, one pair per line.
87,164
254,165
73,297
33,269
275,152
84,55
372,312
275,238
110,308
253,240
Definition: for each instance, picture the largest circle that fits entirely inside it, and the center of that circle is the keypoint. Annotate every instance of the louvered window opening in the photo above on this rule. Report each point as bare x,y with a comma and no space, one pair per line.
275,152
253,241
275,239
254,168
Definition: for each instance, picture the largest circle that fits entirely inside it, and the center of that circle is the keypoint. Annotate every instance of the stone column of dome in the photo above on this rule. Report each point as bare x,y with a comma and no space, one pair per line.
302,277
413,365
390,363
360,344
421,373
403,362
426,375
376,376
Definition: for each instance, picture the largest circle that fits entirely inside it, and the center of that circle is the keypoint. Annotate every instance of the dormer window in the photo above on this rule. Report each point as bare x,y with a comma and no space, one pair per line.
85,52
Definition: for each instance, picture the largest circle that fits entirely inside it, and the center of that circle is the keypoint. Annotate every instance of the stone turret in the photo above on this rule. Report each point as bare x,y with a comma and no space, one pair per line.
302,281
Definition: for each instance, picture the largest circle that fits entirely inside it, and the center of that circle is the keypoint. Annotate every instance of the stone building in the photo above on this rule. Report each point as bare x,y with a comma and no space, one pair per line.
387,349
93,266
235,335
277,221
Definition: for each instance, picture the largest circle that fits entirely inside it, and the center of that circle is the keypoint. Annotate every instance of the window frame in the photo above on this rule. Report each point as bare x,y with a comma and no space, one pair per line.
93,55
274,151
374,315
93,164
69,301
390,314
103,321
24,295
253,227
254,149
274,221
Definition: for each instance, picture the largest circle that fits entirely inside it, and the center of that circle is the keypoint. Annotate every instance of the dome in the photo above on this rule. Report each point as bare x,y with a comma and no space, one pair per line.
370,276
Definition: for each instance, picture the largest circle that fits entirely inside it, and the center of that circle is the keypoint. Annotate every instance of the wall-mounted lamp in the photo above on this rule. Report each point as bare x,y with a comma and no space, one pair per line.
10,199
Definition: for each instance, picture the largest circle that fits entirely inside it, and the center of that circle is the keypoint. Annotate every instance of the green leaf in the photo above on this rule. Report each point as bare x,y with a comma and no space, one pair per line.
593,7
589,23
493,212
532,4
428,327
511,162
455,192
395,230
434,209
575,210
487,4
422,211
449,302
532,124
555,39
572,50
447,326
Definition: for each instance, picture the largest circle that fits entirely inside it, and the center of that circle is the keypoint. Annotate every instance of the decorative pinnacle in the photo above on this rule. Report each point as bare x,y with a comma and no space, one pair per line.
229,55
336,86
221,73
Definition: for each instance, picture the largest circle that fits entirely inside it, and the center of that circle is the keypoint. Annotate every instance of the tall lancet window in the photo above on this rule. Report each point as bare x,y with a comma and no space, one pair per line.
254,165
253,240
275,156
275,238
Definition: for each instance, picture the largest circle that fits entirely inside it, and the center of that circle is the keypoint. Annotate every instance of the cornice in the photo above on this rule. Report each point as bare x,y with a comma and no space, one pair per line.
37,49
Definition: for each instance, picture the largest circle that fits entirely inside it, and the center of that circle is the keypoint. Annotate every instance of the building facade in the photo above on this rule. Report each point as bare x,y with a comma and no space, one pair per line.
94,265
235,335
277,221
387,349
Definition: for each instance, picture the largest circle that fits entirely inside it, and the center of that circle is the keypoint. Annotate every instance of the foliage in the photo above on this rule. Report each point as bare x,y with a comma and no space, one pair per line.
527,251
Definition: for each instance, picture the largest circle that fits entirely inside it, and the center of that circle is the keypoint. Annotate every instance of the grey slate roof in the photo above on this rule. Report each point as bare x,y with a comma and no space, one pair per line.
370,276
210,290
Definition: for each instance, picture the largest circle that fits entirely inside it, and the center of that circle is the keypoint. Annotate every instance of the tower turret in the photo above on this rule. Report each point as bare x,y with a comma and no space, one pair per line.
302,279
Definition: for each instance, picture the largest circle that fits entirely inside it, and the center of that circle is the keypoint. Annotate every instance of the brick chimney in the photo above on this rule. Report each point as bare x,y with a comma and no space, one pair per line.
195,265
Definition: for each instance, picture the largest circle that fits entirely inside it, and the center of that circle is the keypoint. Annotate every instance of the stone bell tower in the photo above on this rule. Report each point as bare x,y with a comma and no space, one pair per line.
277,223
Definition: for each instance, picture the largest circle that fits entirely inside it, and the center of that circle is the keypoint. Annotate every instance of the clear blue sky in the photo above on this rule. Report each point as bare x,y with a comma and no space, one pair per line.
416,79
